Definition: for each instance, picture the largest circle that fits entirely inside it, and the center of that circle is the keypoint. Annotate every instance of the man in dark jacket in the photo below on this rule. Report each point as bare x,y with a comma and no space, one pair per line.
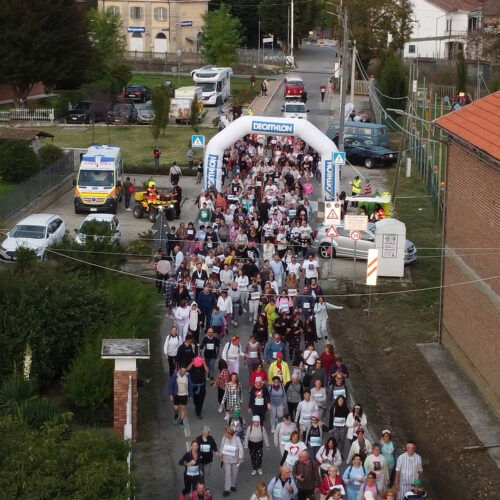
206,303
186,352
306,476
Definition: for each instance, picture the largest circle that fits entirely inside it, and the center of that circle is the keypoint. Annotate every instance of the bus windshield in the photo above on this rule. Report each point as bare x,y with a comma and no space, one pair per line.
206,87
294,108
100,178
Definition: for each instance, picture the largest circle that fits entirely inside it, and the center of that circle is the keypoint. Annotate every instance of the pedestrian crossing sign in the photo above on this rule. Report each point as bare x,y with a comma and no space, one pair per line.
339,158
197,141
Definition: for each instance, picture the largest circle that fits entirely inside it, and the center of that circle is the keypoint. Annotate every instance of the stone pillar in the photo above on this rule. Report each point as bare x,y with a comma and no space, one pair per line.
125,352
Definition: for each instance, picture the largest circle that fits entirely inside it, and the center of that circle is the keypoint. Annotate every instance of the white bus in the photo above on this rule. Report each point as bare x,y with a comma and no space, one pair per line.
215,84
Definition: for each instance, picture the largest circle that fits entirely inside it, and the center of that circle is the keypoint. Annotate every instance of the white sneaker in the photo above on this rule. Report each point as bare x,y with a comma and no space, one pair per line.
244,311
272,431
259,471
254,472
128,209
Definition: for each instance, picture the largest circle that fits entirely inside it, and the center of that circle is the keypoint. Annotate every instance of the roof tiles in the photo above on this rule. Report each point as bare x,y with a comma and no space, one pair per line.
477,123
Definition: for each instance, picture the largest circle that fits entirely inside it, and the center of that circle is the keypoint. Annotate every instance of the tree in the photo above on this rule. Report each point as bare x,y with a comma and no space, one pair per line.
221,37
393,81
160,102
49,154
372,20
42,41
461,72
59,464
244,10
108,71
18,161
195,116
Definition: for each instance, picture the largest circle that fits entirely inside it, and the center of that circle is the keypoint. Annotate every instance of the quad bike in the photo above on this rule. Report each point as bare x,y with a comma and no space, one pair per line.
145,203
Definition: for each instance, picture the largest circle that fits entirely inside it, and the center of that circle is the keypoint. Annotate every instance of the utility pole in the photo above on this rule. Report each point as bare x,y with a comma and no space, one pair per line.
353,70
345,78
291,33
258,49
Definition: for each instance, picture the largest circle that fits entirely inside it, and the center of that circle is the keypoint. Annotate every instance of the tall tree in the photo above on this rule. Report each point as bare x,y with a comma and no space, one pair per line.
42,41
108,71
372,20
160,101
221,37
393,81
244,10
461,72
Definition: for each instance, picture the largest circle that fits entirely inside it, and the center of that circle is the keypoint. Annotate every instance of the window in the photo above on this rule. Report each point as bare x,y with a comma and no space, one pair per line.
473,24
160,14
449,24
412,49
136,12
113,9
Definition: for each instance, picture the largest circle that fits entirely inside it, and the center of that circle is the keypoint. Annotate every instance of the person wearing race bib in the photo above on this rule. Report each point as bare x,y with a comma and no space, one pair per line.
210,347
305,410
355,420
253,355
258,403
277,402
255,439
360,446
283,432
292,450
283,486
306,476
231,354
314,436
310,268
274,347
354,477
192,463
231,455
338,417
208,448
331,482
280,369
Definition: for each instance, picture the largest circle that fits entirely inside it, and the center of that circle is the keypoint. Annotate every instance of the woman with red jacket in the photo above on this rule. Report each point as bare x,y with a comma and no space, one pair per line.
328,358
330,481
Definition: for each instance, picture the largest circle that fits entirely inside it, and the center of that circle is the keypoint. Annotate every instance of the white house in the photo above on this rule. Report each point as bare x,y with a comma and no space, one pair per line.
441,27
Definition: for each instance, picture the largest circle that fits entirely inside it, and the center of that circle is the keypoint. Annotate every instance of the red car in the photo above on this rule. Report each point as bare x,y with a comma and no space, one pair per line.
294,87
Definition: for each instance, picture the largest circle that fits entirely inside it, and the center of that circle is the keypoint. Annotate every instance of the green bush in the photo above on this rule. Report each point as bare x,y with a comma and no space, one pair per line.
49,154
18,161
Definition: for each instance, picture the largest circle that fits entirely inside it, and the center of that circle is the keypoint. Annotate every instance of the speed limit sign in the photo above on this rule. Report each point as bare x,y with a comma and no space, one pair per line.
355,235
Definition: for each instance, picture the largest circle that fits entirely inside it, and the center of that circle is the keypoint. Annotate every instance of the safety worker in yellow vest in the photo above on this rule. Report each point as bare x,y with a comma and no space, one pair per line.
356,189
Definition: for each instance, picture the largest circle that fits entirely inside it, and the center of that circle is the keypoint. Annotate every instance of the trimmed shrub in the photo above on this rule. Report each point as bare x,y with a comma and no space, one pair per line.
49,154
18,161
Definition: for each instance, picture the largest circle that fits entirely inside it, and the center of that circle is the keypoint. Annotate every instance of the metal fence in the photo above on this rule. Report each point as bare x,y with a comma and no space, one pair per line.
25,192
27,114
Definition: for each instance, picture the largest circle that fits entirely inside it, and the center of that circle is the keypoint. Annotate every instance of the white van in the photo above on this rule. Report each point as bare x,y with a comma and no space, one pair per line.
294,109
215,84
99,182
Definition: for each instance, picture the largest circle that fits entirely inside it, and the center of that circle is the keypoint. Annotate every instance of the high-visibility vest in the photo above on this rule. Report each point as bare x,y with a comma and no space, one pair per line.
356,186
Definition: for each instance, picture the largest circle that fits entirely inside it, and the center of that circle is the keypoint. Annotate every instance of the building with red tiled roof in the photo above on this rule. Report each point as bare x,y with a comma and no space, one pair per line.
470,311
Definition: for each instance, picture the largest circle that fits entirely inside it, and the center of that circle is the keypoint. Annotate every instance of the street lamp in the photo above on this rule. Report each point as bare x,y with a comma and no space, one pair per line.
179,55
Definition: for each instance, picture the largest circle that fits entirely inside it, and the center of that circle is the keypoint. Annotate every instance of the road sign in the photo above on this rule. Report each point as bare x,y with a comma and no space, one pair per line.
186,24
339,158
331,232
371,267
355,235
197,141
332,212
356,222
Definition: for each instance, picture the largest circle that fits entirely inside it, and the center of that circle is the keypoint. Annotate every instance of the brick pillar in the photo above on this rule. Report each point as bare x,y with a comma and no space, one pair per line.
121,384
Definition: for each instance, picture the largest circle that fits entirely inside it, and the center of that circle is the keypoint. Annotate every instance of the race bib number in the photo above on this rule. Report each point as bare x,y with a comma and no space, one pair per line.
292,292
259,401
200,283
339,421
254,354
205,448
229,450
306,305
210,346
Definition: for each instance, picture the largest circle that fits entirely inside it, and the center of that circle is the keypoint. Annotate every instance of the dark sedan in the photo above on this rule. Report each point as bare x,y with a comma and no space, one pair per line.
361,151
123,113
139,93
87,112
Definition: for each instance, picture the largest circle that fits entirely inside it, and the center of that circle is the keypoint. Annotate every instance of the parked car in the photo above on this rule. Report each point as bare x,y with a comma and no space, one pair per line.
294,87
376,132
98,226
360,150
343,245
36,232
123,113
145,114
139,93
87,112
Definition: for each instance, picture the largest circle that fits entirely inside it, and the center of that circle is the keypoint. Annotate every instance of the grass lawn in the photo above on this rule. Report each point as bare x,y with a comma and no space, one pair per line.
137,143
5,186
240,87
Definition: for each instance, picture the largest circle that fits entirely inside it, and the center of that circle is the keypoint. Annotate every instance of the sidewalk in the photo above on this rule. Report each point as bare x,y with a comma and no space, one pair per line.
260,103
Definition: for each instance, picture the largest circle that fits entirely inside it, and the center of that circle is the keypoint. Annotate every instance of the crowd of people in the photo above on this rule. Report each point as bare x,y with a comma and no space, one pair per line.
249,258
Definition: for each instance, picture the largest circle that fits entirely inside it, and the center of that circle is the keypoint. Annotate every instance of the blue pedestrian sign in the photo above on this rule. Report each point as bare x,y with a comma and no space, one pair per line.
339,158
197,141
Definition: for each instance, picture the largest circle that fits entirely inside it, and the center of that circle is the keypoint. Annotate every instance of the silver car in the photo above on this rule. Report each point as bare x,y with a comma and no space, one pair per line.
343,245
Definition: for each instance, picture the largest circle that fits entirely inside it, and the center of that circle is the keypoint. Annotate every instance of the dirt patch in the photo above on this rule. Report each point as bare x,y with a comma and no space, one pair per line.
398,389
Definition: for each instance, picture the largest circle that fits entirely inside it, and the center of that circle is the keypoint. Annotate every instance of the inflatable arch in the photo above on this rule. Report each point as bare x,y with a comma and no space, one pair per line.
267,125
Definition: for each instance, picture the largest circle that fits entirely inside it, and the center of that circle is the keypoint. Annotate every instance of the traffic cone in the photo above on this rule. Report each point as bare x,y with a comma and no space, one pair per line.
368,188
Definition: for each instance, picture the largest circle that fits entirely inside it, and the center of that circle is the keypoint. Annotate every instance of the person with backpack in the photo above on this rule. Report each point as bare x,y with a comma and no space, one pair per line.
255,439
354,477
283,486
